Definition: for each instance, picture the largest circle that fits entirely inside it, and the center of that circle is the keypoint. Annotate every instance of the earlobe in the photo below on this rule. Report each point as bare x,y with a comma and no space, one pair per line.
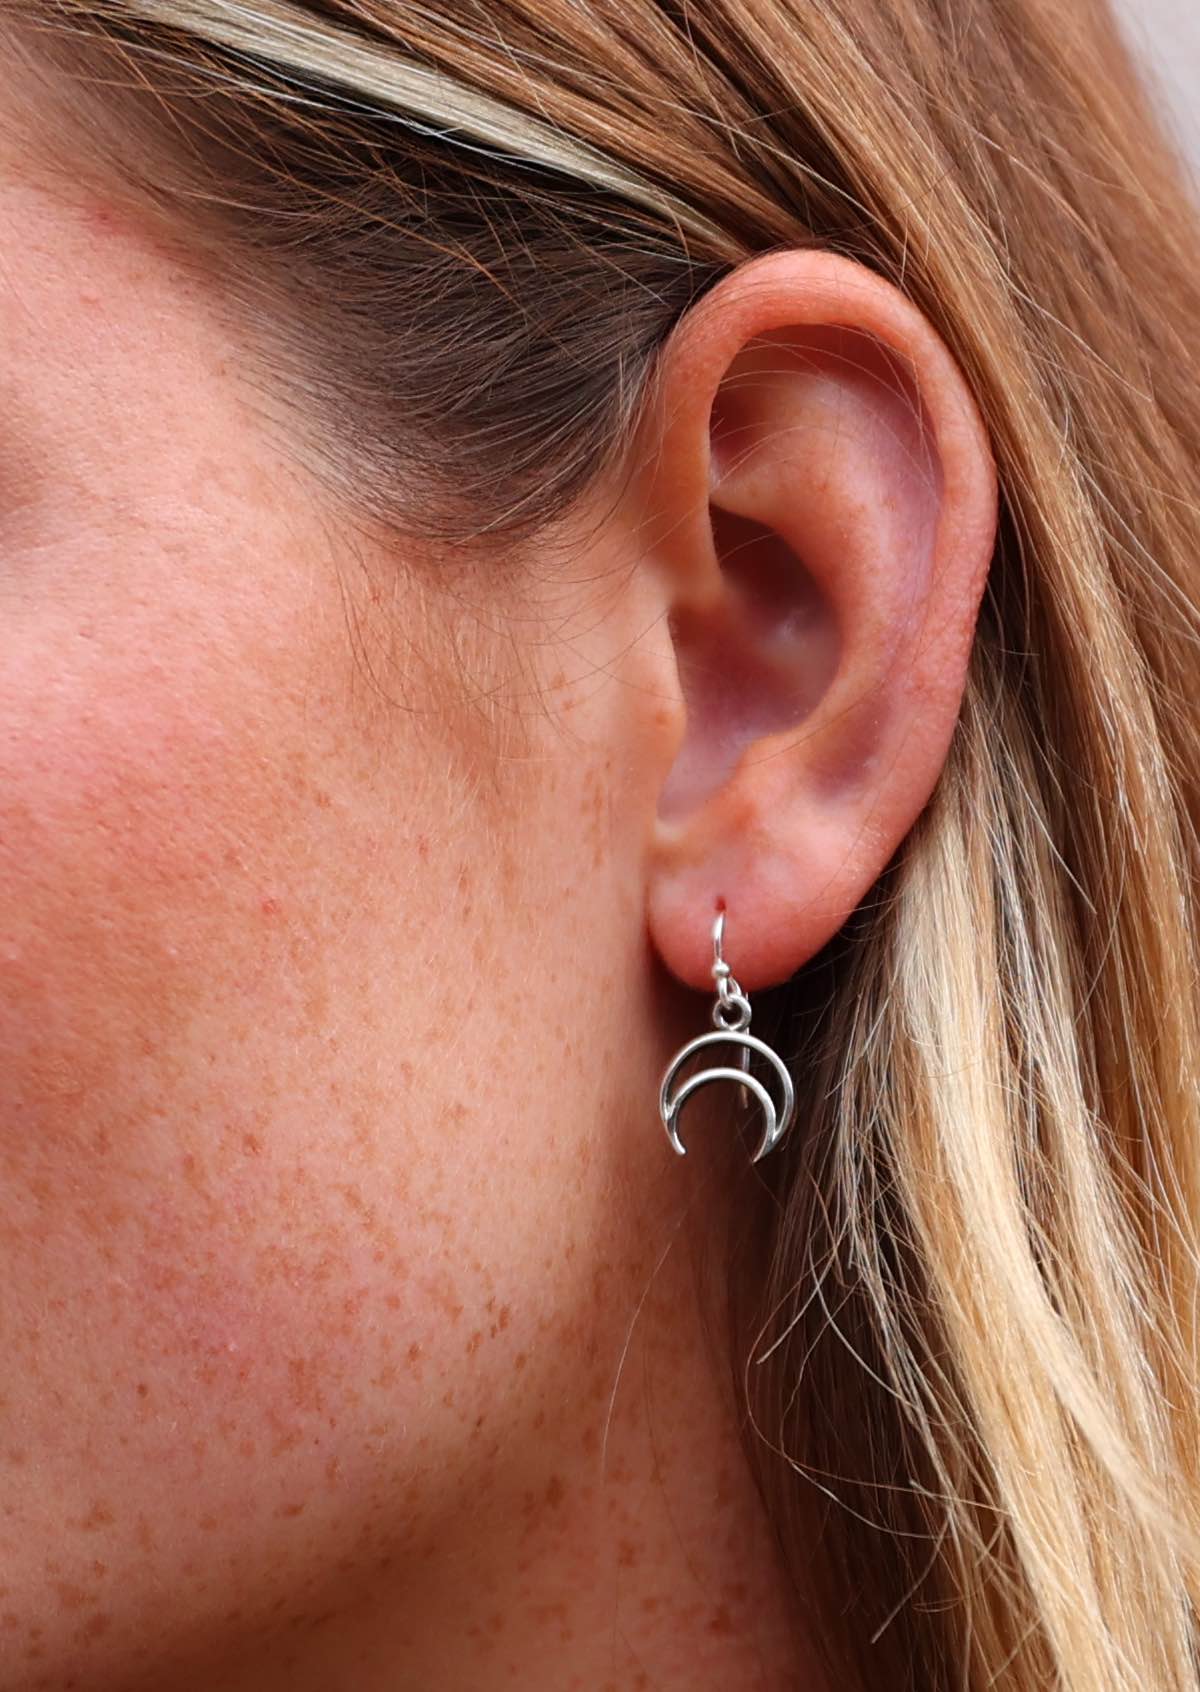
831,504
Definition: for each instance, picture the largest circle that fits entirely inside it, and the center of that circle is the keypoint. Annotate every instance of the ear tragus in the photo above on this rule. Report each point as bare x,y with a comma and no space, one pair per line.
757,668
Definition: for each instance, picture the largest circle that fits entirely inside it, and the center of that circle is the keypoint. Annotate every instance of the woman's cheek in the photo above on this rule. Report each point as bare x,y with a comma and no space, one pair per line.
205,1232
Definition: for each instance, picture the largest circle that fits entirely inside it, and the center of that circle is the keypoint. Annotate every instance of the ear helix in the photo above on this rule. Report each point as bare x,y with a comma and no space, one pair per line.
731,1019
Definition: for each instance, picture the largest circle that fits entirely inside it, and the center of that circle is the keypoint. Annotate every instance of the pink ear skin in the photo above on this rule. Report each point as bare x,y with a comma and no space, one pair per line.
820,502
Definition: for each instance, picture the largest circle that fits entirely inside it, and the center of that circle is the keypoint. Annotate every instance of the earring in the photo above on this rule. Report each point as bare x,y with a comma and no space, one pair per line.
731,1019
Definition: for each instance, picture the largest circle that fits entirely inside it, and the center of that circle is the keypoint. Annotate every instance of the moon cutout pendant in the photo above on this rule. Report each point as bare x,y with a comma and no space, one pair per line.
775,1121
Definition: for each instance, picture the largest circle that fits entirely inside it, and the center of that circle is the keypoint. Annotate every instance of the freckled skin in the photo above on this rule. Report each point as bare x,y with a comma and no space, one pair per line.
330,1173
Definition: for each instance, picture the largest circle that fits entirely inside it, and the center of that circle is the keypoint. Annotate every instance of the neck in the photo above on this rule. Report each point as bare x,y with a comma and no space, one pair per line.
617,1543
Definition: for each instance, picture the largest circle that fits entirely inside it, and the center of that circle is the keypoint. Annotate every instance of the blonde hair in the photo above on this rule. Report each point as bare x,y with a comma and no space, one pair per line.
965,1305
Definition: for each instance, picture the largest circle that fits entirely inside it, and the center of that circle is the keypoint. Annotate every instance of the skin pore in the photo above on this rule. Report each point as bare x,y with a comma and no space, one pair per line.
351,1327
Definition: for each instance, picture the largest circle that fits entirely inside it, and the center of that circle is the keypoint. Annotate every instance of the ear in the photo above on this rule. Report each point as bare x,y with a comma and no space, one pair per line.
819,499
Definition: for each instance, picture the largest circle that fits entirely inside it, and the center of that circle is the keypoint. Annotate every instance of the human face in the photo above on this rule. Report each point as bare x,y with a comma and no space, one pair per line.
322,992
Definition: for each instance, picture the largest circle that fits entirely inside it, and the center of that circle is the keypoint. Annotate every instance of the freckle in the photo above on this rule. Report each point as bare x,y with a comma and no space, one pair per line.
332,1470
475,1341
448,1399
142,1389
95,1625
649,1605
99,1568
246,1448
18,1458
251,1145
322,800
627,1554
555,1491
414,1352
422,846
100,1515
9,1621
302,1376
290,1510
207,1523
520,1360
70,1596
505,1316
722,1622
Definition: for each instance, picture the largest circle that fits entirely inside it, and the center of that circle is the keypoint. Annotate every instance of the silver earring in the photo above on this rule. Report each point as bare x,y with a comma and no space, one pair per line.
731,1019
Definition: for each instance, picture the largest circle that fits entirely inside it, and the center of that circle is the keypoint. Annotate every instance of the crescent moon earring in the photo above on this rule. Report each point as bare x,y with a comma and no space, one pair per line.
731,1020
